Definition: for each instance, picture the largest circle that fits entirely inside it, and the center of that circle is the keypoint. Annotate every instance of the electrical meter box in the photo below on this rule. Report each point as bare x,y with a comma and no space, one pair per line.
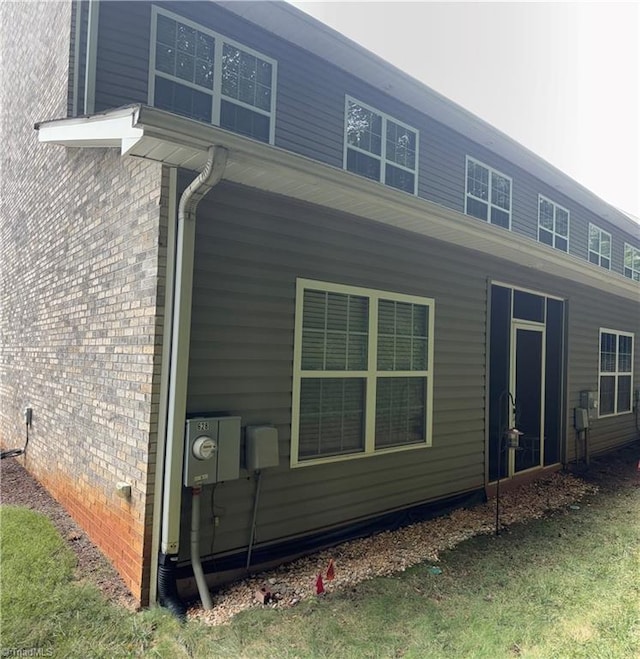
212,450
589,402
581,418
261,450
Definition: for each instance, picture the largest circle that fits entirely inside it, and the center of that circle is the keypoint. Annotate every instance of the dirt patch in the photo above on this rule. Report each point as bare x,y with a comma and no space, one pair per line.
613,471
353,562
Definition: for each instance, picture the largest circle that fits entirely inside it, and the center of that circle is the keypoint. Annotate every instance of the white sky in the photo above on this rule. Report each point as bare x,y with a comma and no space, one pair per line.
563,79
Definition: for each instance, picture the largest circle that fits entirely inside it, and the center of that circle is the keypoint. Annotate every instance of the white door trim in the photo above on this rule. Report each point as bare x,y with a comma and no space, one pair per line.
516,325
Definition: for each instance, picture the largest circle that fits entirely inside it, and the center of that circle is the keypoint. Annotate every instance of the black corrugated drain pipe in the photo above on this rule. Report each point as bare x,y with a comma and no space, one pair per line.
168,596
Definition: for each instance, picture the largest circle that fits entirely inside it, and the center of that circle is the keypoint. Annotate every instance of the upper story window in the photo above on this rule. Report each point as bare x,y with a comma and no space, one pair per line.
631,262
363,372
205,76
380,147
616,372
488,194
553,224
599,247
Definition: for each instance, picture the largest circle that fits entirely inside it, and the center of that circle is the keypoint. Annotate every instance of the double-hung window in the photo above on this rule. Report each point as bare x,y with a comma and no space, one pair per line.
553,224
616,372
599,247
488,194
631,262
202,75
363,372
379,147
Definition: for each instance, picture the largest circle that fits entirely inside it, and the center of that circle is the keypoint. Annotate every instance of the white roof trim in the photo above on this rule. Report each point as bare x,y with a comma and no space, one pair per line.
176,141
111,129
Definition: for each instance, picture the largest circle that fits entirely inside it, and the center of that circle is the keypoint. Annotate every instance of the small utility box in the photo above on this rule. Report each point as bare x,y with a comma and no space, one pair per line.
261,450
589,402
581,419
212,450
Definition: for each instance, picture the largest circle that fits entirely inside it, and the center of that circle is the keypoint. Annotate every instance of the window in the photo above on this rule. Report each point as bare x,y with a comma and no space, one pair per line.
488,194
363,368
631,262
379,147
202,75
553,224
599,247
616,369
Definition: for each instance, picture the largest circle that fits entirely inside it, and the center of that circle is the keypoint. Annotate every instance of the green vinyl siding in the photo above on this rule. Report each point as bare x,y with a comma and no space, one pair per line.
310,116
250,250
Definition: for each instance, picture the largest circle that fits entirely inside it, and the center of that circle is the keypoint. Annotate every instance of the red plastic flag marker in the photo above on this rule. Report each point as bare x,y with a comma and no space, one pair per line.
319,585
638,465
331,572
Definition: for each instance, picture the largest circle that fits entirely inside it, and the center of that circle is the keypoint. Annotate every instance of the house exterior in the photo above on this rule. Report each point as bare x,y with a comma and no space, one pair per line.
377,281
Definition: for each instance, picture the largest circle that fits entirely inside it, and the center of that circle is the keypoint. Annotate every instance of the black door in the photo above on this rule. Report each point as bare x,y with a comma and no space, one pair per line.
528,390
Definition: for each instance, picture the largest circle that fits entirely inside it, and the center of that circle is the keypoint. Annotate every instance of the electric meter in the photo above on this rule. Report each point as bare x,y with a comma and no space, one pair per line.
204,448
211,450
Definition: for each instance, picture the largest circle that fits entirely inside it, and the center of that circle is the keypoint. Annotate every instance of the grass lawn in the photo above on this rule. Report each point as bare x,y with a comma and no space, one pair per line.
566,586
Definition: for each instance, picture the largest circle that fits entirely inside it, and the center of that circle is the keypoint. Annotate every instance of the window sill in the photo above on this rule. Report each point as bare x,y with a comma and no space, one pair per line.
614,414
355,456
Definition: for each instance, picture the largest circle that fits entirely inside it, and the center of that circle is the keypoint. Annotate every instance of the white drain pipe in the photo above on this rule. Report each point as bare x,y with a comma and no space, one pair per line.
179,371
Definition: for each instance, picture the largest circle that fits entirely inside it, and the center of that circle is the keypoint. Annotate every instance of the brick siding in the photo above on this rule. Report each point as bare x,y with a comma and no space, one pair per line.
81,317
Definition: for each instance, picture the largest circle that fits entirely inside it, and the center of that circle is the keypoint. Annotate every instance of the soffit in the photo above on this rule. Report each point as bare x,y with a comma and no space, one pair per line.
160,136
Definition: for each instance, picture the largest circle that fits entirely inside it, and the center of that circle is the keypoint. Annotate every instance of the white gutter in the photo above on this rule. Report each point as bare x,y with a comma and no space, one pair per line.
181,332
91,57
180,142
295,26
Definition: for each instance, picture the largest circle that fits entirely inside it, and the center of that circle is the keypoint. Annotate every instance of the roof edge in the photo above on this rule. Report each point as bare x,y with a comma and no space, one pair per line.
294,25
164,137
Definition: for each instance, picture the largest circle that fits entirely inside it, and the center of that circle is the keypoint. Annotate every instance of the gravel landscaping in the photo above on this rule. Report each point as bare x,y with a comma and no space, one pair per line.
383,554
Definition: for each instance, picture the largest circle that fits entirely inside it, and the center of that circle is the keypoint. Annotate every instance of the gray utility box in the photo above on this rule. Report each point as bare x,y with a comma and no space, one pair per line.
261,450
581,421
589,402
212,450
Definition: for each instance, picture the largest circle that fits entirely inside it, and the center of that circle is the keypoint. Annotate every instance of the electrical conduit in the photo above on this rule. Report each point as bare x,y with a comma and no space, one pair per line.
256,499
196,564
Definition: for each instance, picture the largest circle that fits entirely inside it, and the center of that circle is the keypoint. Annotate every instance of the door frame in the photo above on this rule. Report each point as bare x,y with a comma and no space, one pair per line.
528,325
559,436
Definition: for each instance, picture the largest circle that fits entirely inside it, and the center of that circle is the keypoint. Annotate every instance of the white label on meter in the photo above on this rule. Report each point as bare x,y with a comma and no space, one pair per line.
204,447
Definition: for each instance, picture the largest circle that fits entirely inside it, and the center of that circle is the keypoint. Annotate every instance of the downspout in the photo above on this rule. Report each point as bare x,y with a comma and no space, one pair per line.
76,57
91,57
178,376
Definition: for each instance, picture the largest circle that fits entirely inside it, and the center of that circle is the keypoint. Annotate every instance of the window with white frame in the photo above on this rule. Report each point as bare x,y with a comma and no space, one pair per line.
616,372
488,194
553,224
202,75
379,147
631,262
363,368
599,247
